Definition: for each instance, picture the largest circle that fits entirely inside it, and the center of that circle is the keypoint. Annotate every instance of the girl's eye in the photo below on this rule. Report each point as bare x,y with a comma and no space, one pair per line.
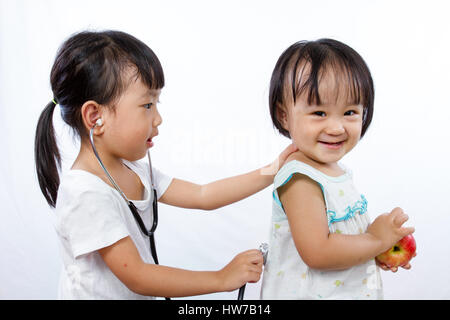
350,113
320,113
148,105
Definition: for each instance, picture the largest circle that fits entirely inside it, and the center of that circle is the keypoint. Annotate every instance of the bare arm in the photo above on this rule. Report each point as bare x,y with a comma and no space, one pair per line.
222,192
125,262
304,205
215,194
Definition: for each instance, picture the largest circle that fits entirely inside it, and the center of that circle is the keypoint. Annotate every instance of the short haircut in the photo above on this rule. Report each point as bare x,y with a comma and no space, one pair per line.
321,56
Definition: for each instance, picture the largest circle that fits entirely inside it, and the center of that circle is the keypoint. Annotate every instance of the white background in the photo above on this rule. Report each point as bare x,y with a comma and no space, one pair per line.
218,58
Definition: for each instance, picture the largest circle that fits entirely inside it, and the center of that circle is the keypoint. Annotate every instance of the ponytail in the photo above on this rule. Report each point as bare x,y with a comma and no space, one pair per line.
46,155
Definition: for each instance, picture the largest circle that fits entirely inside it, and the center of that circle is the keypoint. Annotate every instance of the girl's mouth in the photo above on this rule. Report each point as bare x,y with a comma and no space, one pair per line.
332,145
149,143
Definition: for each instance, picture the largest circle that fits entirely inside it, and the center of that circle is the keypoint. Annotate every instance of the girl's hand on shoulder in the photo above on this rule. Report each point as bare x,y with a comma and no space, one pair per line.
245,267
387,228
273,168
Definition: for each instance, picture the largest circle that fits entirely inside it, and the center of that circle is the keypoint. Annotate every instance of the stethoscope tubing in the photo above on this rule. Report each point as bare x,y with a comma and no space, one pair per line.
149,233
129,203
91,139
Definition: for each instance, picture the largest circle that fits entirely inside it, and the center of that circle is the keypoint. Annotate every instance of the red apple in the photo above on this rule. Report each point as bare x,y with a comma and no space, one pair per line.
400,253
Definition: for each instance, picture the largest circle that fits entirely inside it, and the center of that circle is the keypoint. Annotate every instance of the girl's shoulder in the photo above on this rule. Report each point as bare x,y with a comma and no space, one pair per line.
77,184
81,176
84,180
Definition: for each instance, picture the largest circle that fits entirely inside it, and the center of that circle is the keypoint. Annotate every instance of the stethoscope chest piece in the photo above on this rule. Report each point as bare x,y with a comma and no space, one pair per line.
264,248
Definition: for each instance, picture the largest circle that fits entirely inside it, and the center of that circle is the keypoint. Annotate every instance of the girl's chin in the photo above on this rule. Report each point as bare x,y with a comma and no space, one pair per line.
323,159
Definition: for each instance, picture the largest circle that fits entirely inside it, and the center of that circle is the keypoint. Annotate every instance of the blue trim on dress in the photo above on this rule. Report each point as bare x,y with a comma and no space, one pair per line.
275,197
286,181
359,207
276,200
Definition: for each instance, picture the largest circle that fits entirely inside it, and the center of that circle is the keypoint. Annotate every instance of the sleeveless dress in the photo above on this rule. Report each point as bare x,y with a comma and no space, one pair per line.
286,276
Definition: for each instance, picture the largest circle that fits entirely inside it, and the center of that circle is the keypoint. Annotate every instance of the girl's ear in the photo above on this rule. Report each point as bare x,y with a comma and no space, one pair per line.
282,116
91,111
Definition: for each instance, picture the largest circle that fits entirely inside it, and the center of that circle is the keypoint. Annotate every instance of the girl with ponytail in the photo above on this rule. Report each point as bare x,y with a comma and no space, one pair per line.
115,77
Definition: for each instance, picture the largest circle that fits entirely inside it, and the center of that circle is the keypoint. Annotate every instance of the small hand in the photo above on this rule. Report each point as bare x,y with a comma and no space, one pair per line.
273,168
245,267
388,229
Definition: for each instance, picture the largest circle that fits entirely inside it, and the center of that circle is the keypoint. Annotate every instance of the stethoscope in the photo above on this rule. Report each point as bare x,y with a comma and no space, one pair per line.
264,248
149,233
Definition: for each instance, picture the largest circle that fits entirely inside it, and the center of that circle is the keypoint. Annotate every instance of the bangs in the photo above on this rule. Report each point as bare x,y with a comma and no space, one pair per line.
126,54
330,75
332,82
149,68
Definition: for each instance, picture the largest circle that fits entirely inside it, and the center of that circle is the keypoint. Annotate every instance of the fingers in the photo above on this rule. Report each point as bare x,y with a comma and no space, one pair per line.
393,269
386,268
286,152
406,230
253,265
382,266
398,217
254,273
407,266
254,256
273,168
289,149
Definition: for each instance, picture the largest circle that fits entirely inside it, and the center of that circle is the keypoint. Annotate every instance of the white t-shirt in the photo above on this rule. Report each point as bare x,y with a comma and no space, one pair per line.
91,215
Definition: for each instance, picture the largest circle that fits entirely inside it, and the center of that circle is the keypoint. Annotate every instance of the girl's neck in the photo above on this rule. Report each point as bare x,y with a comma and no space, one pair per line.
87,161
331,169
128,181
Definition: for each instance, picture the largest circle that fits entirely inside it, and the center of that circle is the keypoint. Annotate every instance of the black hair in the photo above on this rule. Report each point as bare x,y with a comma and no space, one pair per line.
318,57
88,66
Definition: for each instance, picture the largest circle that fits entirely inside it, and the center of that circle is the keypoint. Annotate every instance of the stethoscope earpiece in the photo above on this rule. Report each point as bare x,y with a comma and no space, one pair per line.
99,122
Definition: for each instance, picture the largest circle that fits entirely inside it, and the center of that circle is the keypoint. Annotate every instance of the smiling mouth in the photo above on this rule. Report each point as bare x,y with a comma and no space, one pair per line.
332,145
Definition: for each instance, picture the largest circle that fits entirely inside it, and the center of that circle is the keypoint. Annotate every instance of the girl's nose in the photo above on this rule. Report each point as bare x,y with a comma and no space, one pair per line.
158,119
335,127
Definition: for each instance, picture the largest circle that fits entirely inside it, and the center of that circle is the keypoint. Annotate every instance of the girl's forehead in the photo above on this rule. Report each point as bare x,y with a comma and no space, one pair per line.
136,92
335,88
137,87
332,85
132,76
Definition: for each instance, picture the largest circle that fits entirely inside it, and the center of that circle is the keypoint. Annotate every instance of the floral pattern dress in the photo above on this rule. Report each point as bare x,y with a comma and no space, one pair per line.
286,276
